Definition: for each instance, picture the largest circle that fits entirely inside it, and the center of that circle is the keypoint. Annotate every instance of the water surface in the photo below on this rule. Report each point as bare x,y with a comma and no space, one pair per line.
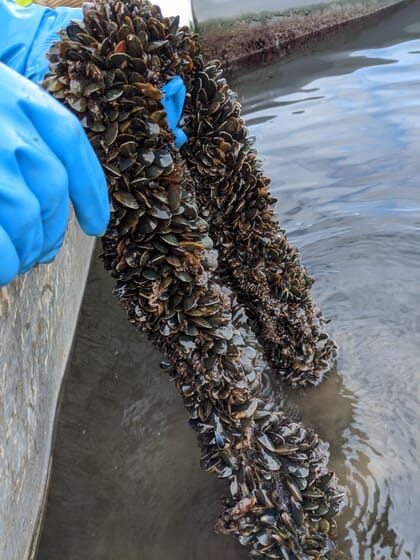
339,133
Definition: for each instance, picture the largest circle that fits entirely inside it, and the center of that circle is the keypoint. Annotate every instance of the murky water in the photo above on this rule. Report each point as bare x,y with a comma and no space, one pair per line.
339,133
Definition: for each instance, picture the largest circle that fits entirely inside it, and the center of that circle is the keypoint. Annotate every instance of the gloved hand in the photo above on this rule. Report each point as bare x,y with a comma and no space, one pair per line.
28,32
45,157
45,160
44,153
173,102
31,31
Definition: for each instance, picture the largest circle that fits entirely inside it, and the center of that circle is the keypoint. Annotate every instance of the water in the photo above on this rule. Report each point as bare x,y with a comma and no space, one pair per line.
339,133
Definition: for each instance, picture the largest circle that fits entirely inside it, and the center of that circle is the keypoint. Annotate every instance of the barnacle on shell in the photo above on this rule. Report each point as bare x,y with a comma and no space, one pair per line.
174,218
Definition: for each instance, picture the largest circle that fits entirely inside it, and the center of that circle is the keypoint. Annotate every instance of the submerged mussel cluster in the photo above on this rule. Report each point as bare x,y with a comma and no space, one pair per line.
166,211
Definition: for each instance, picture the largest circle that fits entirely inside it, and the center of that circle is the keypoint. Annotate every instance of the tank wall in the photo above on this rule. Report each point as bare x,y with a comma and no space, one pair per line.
205,10
38,314
215,9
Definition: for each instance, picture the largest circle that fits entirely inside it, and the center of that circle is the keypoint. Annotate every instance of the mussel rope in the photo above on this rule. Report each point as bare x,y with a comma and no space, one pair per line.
109,69
255,259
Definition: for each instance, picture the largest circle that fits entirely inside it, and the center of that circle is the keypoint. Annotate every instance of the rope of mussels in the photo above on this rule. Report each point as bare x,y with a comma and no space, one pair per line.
109,70
256,261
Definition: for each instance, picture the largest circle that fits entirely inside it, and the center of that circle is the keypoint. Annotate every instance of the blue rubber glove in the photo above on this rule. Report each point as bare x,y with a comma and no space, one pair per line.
173,103
28,32
45,160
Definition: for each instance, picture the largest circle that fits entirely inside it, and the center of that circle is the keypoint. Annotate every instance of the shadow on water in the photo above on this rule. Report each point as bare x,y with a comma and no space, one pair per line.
339,133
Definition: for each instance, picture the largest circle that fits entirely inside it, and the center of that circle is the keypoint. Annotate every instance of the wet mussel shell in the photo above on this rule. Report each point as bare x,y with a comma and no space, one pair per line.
109,70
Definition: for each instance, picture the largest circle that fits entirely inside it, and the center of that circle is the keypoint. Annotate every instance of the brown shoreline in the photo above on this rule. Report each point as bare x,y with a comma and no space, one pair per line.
242,46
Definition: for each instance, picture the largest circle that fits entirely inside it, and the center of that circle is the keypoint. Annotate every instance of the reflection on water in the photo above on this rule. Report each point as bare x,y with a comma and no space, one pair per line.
339,133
